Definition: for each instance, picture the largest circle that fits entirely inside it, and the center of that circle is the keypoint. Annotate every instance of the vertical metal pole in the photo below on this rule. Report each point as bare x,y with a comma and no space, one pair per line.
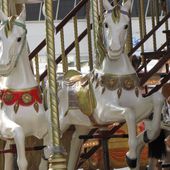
156,2
129,44
106,162
95,20
5,6
2,143
142,22
57,160
153,24
64,57
37,69
77,48
165,13
89,36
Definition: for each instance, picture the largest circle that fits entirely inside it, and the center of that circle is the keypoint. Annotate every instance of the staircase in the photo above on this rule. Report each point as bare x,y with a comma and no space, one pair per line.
161,55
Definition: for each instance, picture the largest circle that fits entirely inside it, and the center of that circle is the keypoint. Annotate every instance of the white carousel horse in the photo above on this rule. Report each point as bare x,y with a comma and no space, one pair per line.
22,113
110,93
166,109
159,149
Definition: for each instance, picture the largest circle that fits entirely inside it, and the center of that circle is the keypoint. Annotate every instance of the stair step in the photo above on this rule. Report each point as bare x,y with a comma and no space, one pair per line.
154,55
166,31
161,75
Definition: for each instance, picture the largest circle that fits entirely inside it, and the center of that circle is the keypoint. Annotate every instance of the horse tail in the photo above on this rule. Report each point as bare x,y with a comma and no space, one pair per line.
157,148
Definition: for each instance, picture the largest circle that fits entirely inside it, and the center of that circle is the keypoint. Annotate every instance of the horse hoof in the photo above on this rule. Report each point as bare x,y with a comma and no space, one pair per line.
131,162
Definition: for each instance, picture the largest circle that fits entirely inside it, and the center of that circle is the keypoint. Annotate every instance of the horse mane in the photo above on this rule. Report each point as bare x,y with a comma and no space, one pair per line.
101,51
116,13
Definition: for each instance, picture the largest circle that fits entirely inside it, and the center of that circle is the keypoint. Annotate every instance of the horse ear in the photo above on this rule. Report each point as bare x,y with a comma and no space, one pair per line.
22,15
3,17
127,4
107,5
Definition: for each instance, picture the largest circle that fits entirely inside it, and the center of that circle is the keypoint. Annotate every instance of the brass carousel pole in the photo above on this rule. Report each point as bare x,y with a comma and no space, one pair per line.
57,160
153,24
95,20
142,22
5,6
2,143
90,53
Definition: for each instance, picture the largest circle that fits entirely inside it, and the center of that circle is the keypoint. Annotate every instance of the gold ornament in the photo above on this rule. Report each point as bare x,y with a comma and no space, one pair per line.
8,97
36,107
16,107
26,98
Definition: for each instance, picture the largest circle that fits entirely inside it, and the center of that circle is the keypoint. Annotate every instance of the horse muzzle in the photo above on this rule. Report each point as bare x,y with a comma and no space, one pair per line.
114,54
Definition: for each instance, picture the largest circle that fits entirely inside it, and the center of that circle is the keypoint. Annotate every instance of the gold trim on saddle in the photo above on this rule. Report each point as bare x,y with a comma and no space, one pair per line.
73,76
80,92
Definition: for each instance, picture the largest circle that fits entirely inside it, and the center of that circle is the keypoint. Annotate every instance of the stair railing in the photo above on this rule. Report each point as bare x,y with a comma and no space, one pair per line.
71,14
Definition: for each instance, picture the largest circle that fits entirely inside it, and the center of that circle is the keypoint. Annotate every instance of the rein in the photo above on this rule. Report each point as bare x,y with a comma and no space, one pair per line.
121,11
6,69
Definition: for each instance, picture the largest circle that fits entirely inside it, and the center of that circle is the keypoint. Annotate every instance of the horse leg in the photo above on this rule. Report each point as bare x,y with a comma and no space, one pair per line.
76,144
47,141
153,127
9,159
131,155
19,139
138,151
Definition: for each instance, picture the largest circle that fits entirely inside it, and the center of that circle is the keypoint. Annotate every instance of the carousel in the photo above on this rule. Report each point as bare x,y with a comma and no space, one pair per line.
115,115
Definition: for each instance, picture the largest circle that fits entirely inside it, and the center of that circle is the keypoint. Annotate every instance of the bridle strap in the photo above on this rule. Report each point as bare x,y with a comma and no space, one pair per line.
121,11
16,58
16,23
21,25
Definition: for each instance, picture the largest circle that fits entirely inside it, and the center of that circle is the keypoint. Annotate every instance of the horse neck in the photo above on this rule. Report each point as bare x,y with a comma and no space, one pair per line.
121,66
22,76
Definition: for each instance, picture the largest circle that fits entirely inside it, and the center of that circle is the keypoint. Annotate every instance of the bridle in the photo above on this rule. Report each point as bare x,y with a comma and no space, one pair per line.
101,43
6,69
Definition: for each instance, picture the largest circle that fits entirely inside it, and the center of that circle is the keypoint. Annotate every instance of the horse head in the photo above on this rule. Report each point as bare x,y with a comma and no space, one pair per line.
114,27
12,40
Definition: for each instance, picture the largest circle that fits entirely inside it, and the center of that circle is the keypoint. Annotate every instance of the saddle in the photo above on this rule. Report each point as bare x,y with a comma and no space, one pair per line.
80,92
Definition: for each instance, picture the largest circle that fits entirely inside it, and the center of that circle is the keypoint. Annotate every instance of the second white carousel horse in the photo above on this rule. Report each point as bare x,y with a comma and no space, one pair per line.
159,148
110,93
22,113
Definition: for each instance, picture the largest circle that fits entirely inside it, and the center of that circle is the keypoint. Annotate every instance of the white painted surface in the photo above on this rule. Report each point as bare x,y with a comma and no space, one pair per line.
37,32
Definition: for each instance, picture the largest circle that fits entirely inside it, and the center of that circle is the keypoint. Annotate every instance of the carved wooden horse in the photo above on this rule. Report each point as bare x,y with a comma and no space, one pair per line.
110,92
22,113
159,148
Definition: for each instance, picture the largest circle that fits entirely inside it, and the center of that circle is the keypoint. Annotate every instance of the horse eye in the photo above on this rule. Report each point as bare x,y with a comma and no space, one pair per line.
126,26
18,39
106,25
